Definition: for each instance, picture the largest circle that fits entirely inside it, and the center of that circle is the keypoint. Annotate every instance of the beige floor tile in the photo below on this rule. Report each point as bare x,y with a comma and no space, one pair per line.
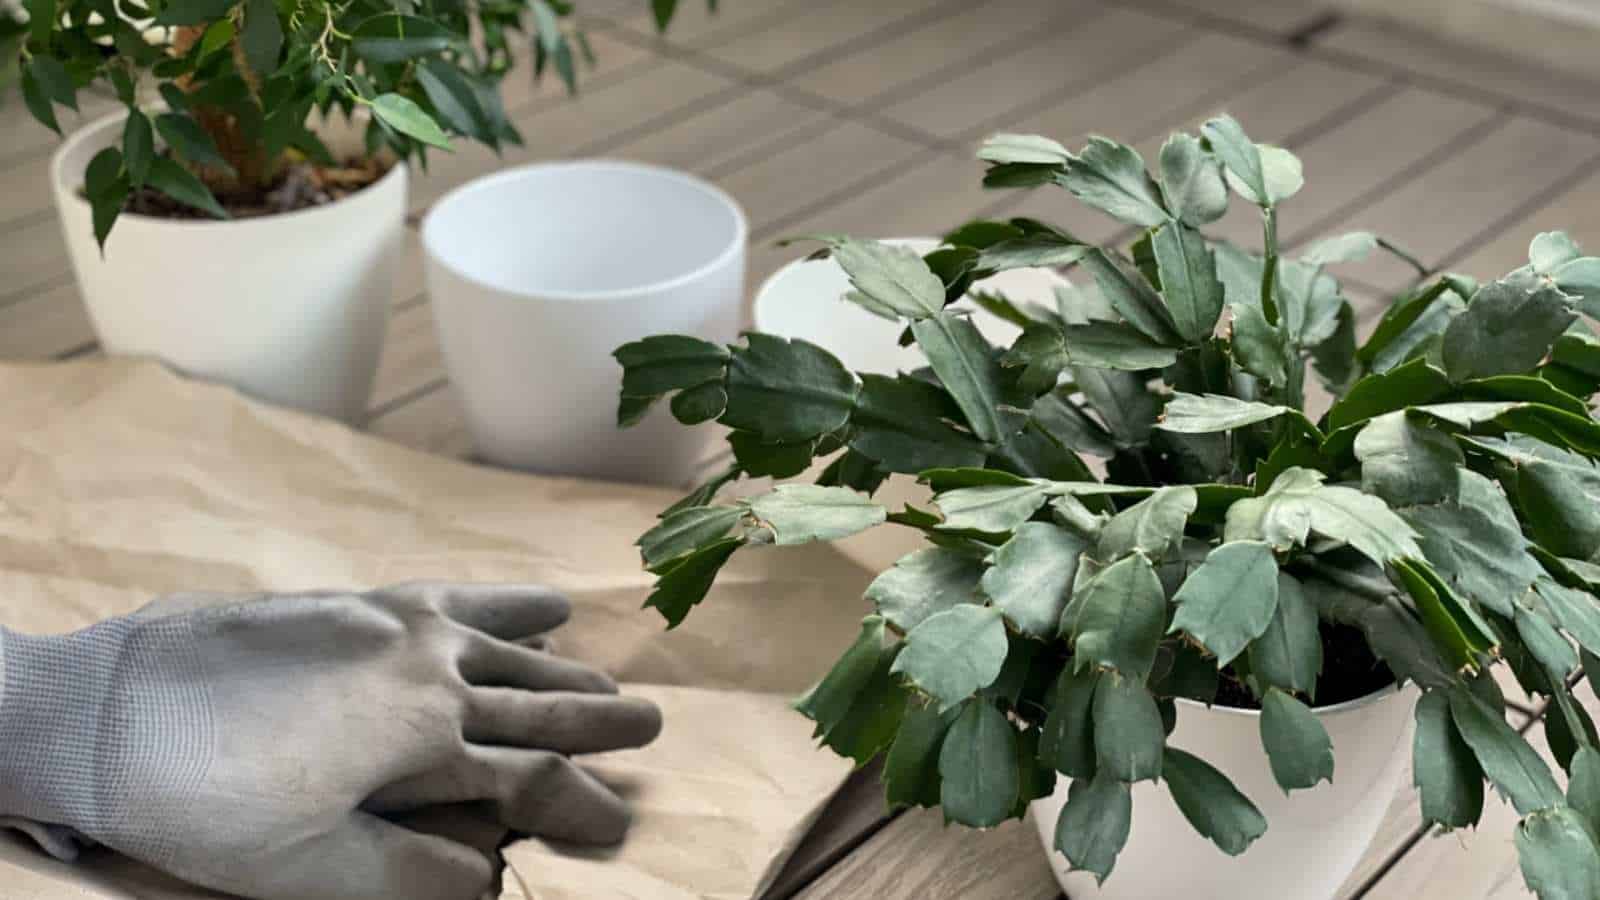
823,27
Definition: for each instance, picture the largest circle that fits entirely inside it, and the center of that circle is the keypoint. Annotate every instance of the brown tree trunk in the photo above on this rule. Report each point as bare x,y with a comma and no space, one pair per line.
253,169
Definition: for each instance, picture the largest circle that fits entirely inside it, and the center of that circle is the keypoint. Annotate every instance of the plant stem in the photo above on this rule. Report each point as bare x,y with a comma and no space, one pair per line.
1269,268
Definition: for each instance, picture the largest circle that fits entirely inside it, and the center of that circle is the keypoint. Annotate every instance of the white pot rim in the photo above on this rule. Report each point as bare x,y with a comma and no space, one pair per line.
92,131
489,182
1379,695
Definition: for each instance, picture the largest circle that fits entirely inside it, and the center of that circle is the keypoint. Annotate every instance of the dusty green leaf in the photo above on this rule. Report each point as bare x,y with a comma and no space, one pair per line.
1351,246
893,276
1557,853
1413,384
1188,281
1127,291
1128,734
1260,173
1446,774
799,513
911,771
1111,177
1550,250
787,390
1288,654
1191,180
1475,543
1113,345
1508,761
1548,647
990,508
1205,413
1298,503
1152,526
686,530
978,767
903,424
1454,625
1067,742
953,654
684,584
923,583
1211,803
1583,789
1031,578
1406,461
1576,611
1297,745
1094,824
1121,399
1230,599
1507,328
1260,347
968,369
1116,618
1023,148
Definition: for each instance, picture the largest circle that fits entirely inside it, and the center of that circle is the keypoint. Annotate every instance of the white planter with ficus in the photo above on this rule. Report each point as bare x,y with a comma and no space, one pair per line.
223,228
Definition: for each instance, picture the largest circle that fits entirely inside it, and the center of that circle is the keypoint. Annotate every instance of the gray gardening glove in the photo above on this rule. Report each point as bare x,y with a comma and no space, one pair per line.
262,745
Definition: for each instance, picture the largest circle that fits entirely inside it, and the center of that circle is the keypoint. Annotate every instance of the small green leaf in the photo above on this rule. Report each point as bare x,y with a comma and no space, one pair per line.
1188,281
1406,461
1455,627
1583,790
662,11
1558,856
54,81
1298,502
1476,543
800,513
1111,177
1205,413
978,767
1122,400
180,184
1113,345
992,508
1546,644
389,38
406,117
857,706
968,369
1116,618
1513,766
1023,148
1031,579
1550,250
1263,174
682,586
685,531
262,37
185,137
1043,250
924,583
1067,743
787,390
1191,180
1574,610
1289,653
1507,328
456,100
1297,745
1230,600
911,771
1132,297
1445,772
1211,803
1094,824
952,655
902,423
1341,248
138,147
1152,526
1413,384
38,104
1260,347
893,276
1128,734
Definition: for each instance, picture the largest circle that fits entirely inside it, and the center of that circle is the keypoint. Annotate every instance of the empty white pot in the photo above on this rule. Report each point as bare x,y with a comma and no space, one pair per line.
290,308
1314,837
538,273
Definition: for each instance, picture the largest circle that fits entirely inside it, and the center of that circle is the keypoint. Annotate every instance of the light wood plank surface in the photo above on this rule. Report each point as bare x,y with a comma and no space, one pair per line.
841,115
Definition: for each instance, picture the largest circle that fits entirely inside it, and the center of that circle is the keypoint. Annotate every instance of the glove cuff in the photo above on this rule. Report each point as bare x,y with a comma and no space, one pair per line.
86,720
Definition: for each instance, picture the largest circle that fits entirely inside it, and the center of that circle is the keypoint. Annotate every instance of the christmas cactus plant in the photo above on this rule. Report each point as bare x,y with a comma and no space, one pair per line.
1132,507
238,81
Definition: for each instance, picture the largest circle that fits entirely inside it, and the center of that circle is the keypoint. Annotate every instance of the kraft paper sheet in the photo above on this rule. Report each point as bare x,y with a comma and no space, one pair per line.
120,482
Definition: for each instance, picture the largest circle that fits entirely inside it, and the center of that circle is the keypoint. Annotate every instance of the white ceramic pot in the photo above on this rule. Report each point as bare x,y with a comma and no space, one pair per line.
289,308
538,273
1314,837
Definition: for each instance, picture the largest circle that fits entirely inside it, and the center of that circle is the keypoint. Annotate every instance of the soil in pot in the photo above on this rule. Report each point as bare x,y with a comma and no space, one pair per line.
1349,672
300,185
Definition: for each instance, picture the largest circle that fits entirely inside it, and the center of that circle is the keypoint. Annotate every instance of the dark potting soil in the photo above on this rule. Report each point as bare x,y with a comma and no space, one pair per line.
300,186
1349,672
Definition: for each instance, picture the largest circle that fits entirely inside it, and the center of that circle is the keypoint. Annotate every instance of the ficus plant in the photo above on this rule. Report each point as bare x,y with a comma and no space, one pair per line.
1132,507
233,89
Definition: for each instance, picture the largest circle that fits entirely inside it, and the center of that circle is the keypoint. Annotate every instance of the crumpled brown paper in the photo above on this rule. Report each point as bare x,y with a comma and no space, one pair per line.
120,481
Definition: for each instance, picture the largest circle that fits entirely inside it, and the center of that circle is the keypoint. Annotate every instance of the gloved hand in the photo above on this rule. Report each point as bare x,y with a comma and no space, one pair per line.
256,746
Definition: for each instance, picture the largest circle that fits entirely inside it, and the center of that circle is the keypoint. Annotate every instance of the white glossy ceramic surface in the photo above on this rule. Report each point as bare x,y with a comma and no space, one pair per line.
1314,837
538,273
290,308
